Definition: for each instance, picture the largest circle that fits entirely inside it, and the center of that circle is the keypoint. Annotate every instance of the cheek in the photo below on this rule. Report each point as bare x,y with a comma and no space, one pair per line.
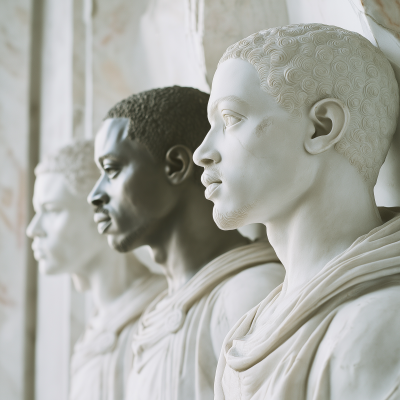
142,195
62,236
273,148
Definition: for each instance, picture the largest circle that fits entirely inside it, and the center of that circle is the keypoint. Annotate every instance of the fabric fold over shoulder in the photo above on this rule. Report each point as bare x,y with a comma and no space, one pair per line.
372,257
174,308
271,334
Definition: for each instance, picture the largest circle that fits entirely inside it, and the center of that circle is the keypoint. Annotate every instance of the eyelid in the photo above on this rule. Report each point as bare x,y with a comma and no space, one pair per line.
234,113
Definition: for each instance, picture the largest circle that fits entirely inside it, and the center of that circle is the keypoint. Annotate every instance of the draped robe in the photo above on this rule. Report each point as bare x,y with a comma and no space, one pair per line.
179,337
336,339
102,357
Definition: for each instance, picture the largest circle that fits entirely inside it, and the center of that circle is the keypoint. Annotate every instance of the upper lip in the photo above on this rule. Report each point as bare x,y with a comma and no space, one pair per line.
210,177
101,217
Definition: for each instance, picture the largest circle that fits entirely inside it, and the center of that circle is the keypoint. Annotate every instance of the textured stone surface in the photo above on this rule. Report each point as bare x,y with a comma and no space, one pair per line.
14,71
385,12
338,12
138,46
226,22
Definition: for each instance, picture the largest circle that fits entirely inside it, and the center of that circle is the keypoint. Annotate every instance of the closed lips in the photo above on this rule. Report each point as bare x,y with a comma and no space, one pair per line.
210,177
100,217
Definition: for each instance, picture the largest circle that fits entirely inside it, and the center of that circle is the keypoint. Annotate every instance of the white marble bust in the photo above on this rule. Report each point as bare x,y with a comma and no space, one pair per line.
65,240
302,118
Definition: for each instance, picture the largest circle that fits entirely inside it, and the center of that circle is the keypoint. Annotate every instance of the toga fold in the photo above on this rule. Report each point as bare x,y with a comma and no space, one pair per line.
180,336
102,358
336,339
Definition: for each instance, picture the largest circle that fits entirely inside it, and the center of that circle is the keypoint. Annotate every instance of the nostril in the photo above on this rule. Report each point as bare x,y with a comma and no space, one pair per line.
99,200
207,161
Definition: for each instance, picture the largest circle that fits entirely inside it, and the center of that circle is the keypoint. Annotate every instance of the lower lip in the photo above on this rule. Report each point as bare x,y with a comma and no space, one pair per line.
211,189
103,226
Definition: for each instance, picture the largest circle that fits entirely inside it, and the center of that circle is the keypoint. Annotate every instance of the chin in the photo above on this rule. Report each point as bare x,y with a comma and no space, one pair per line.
125,243
230,220
49,269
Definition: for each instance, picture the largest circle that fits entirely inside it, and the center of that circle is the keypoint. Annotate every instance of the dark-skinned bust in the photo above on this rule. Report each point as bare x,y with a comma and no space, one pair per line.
150,193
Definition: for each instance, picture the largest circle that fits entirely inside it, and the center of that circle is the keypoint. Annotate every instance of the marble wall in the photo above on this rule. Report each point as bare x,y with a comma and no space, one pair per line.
137,46
14,139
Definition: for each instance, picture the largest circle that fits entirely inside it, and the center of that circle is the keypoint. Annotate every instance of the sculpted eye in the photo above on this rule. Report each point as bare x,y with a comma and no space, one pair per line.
110,170
230,120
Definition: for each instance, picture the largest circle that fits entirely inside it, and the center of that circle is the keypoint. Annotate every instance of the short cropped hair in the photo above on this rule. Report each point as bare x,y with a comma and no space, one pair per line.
301,64
165,117
76,162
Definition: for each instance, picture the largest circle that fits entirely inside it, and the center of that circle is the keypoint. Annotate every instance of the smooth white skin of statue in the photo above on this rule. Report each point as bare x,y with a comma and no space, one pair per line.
63,228
262,164
284,152
65,240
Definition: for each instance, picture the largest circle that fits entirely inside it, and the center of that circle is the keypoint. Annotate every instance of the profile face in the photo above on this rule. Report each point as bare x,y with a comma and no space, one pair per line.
132,196
64,235
255,164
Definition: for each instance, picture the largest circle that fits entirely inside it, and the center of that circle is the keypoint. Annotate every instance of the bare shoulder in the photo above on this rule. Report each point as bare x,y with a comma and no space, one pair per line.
363,344
239,294
370,313
246,289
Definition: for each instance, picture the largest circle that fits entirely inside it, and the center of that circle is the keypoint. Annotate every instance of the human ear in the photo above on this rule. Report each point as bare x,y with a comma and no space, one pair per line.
331,119
179,164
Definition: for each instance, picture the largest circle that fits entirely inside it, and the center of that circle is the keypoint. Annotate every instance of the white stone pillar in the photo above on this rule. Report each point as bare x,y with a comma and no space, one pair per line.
60,309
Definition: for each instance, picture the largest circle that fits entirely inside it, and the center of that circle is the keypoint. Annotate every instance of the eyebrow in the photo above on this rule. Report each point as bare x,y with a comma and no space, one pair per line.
105,156
212,108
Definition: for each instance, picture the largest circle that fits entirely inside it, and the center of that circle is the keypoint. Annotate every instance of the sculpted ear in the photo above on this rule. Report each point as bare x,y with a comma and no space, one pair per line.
331,118
179,164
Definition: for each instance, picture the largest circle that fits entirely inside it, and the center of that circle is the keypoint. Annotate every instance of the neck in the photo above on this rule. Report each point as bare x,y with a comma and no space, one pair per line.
111,275
190,239
323,224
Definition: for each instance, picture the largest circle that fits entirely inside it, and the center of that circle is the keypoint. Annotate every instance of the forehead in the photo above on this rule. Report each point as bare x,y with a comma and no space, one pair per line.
111,134
52,187
237,80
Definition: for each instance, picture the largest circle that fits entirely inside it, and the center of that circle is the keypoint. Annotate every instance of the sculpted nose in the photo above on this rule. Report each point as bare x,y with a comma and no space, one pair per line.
34,228
98,196
207,153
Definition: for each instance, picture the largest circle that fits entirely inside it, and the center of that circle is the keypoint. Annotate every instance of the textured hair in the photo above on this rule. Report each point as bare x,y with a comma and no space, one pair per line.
165,117
75,161
301,64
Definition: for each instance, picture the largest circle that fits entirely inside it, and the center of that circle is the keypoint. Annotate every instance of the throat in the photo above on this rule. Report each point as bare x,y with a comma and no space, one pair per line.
315,233
184,256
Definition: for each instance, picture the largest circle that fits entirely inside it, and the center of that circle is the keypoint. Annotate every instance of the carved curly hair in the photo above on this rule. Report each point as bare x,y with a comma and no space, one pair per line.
165,117
76,162
301,64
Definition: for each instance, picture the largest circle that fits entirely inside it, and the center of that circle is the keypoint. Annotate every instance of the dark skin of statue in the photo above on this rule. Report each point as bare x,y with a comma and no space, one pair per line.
140,200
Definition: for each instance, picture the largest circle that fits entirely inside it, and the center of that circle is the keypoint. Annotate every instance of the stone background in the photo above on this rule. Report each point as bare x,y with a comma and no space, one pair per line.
64,63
